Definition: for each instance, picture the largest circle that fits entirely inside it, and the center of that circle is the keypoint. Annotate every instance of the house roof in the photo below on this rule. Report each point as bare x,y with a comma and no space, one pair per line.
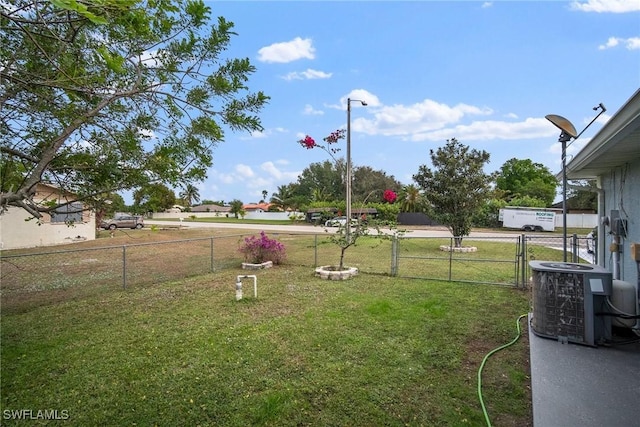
617,143
256,206
210,208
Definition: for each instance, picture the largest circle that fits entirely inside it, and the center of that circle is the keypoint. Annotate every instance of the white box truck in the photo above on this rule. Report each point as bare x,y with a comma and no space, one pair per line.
528,220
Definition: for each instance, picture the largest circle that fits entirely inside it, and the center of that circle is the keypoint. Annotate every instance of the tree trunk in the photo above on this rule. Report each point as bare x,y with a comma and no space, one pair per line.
341,265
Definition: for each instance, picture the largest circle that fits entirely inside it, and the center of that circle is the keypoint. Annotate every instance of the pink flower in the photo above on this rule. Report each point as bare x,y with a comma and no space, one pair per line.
389,196
335,136
307,142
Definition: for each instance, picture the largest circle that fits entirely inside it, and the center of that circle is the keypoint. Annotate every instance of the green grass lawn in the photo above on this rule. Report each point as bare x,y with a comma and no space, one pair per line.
370,351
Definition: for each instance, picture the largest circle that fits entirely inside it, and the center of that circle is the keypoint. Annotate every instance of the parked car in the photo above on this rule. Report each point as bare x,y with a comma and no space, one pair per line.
127,221
339,221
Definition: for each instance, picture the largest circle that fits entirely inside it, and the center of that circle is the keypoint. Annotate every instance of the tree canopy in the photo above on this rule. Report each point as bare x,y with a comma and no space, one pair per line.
457,186
520,178
582,194
153,198
103,96
237,208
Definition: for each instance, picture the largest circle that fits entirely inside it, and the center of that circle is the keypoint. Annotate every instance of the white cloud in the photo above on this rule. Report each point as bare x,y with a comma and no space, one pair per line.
309,74
419,118
259,182
361,95
604,6
632,43
287,51
244,171
276,173
150,58
265,133
491,130
310,111
225,178
259,134
487,4
612,42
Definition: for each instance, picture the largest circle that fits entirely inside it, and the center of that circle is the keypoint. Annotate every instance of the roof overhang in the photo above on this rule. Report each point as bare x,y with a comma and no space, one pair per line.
617,143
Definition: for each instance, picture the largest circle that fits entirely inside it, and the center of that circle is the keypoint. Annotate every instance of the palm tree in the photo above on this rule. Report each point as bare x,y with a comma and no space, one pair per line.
190,194
410,198
283,198
320,195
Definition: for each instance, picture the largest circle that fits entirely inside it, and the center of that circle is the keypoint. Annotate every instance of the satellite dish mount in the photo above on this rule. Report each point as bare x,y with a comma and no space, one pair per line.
568,132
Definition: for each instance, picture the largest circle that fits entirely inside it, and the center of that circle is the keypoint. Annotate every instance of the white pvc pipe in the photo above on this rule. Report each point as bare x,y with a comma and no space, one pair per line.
255,283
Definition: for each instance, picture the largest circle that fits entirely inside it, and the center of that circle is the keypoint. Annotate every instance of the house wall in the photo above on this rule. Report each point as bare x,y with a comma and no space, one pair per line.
16,231
621,193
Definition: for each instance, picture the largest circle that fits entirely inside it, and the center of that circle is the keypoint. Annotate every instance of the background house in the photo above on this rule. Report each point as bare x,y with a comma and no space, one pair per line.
17,230
256,207
612,158
211,208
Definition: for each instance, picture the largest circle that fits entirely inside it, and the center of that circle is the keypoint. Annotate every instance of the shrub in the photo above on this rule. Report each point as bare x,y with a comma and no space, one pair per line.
257,250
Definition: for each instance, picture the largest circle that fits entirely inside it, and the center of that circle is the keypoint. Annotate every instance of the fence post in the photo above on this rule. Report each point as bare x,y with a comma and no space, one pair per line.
124,267
394,256
523,256
574,247
315,250
450,257
518,262
212,263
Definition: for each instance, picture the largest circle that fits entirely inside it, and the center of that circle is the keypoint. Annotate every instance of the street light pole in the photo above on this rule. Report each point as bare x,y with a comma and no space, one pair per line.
348,174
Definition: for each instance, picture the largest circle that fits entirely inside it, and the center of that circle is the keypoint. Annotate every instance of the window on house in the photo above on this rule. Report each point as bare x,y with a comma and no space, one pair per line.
70,213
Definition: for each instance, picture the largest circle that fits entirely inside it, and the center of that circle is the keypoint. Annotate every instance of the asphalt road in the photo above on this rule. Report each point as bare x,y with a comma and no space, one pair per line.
415,231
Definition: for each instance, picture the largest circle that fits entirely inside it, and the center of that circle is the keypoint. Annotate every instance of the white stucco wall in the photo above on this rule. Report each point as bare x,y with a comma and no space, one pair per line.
622,193
16,232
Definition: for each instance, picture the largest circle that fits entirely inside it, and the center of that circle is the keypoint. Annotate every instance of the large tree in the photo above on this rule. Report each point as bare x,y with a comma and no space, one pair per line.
237,208
370,185
583,195
519,178
116,94
153,198
323,178
457,186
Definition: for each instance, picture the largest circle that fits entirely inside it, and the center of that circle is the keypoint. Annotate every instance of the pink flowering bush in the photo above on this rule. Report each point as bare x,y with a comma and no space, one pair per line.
257,250
389,196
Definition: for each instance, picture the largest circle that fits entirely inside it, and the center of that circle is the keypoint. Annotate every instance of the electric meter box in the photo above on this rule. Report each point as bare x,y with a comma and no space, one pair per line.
635,251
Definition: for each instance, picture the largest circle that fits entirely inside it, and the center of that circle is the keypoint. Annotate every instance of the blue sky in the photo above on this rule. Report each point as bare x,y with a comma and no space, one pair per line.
485,73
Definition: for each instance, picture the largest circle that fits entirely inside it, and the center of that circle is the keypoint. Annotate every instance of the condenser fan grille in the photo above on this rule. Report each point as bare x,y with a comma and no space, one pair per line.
558,306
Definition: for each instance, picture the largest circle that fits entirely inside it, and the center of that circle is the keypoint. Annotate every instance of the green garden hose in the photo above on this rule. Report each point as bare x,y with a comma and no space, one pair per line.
484,409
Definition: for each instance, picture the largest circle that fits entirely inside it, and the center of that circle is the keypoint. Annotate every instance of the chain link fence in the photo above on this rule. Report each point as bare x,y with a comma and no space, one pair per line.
497,260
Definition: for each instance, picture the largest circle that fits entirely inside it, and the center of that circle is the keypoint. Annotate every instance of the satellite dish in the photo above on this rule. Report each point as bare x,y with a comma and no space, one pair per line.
563,124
